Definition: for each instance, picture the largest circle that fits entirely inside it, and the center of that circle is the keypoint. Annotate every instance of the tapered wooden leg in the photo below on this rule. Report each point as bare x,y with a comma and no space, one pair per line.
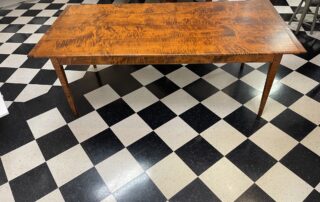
64,83
270,77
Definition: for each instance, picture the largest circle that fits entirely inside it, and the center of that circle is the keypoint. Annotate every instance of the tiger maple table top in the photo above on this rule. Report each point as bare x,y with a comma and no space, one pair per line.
200,29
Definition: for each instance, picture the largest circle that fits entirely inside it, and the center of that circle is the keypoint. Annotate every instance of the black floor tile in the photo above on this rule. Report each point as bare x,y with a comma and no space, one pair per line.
102,146
58,13
12,28
43,29
77,67
54,6
251,159
315,93
4,12
3,177
115,112
14,131
279,3
7,20
156,114
304,163
245,121
46,77
281,73
31,13
254,193
196,191
284,94
33,184
310,44
235,70
3,57
166,69
5,73
38,20
241,91
202,69
25,6
285,16
162,87
149,150
293,124
141,189
24,49
11,90
313,197
56,142
89,186
18,38
310,70
198,154
199,118
35,63
200,89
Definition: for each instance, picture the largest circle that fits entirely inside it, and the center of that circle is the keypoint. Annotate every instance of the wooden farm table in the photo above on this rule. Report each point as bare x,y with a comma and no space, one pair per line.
168,33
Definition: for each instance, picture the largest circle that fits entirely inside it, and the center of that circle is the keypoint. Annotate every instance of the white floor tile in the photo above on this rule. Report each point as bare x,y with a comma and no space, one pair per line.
312,141
220,78
309,108
131,129
176,133
5,193
22,160
221,104
5,36
69,164
182,77
271,110
223,137
293,62
32,91
54,196
179,101
255,79
147,75
34,38
171,175
101,96
140,99
8,48
22,75
14,60
226,180
299,82
46,122
274,141
29,28
71,76
283,185
119,169
87,126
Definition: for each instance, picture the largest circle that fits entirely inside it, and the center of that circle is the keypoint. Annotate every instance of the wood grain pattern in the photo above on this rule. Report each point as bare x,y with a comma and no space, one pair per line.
169,33
121,33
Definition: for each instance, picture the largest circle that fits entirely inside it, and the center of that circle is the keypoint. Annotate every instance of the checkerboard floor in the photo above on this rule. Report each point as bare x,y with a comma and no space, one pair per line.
155,132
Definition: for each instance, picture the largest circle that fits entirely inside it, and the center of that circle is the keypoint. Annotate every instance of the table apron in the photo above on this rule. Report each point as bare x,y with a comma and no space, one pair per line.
133,60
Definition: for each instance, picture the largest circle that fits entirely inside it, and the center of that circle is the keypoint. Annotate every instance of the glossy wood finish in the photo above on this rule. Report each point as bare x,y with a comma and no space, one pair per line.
65,85
125,32
168,33
274,65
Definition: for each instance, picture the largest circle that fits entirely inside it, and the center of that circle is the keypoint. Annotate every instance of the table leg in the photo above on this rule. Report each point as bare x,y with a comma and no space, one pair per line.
64,83
270,77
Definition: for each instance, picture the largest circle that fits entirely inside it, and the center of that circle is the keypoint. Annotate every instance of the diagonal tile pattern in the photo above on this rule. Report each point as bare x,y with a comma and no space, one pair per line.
183,132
